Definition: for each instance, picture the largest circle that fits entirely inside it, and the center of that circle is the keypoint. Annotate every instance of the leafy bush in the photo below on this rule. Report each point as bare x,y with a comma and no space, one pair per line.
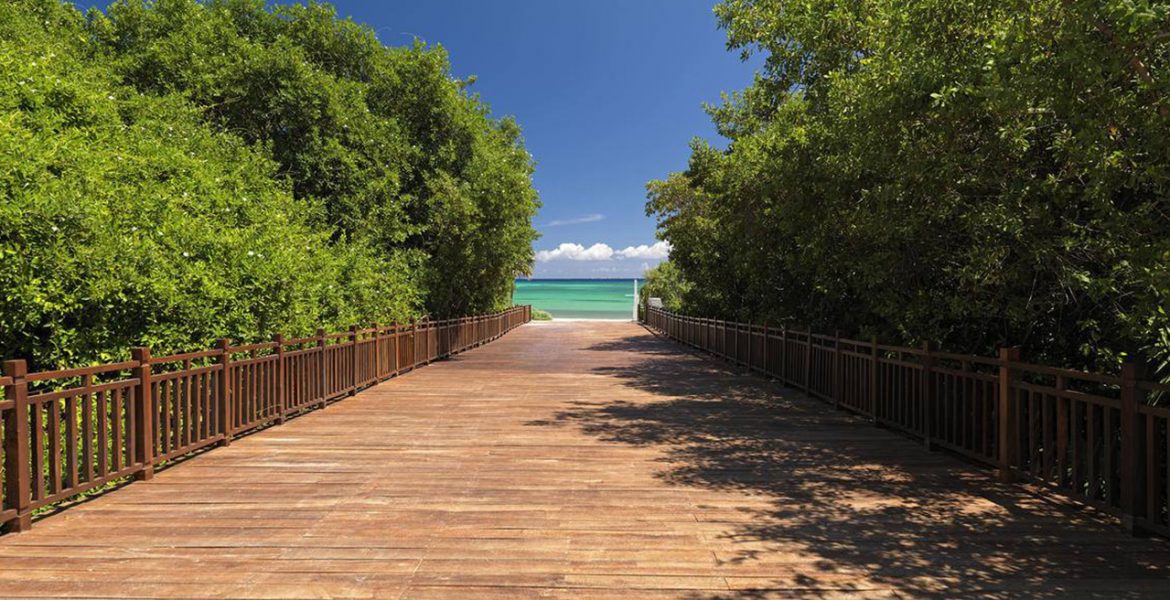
172,172
666,283
386,141
970,172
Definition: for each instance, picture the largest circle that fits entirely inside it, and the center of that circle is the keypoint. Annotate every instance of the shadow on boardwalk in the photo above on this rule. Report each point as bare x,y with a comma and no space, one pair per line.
849,496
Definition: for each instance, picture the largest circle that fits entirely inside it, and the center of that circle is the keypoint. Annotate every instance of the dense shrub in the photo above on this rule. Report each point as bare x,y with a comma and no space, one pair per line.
969,172
395,150
666,283
162,183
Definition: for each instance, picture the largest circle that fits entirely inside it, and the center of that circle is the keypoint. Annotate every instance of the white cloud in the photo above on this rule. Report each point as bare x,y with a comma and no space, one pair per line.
658,250
600,252
576,252
590,218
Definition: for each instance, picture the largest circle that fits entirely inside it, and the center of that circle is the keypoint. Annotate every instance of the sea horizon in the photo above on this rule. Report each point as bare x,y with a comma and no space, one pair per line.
581,279
580,297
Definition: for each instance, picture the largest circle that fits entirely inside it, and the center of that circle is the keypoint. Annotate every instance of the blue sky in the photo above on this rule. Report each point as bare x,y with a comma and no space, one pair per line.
608,93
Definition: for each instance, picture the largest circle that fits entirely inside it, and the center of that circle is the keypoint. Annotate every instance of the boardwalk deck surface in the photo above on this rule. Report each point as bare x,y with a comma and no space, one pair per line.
577,459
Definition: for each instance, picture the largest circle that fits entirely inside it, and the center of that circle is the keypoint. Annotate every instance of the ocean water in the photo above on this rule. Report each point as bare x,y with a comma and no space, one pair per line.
579,298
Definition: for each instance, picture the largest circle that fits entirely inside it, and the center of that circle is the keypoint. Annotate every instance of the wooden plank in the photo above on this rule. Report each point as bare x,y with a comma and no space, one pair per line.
589,460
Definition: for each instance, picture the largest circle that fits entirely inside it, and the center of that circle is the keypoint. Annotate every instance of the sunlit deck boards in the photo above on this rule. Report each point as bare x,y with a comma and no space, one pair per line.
576,459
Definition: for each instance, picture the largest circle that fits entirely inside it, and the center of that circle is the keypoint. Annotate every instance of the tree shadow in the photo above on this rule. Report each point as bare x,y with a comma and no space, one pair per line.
839,495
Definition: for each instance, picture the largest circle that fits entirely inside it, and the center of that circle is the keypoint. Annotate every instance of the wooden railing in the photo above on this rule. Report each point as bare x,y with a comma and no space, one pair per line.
72,431
1100,438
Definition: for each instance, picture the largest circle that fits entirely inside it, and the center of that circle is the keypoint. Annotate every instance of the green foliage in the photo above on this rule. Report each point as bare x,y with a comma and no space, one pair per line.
394,149
665,281
970,172
179,172
541,315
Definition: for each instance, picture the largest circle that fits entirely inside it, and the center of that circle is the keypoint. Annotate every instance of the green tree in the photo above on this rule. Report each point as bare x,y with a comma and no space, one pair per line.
126,220
396,150
970,172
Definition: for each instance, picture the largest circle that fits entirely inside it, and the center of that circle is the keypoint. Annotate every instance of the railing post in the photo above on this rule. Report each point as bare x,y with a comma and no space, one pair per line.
377,353
1006,424
751,333
396,329
738,358
767,340
16,447
929,412
874,363
1131,449
143,414
225,391
427,340
323,371
413,343
808,357
281,400
836,369
353,359
784,354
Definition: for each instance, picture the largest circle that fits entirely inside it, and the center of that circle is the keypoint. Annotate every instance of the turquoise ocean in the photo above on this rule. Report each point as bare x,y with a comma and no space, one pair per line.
579,298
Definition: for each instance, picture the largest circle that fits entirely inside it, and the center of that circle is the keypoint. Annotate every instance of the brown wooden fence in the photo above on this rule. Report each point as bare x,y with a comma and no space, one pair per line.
71,431
1100,438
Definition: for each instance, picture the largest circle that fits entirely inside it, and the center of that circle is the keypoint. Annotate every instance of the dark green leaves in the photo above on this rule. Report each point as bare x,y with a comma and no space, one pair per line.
972,173
176,171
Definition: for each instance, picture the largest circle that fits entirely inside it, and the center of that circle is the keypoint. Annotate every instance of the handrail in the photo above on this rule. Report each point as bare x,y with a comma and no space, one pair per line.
1102,439
73,434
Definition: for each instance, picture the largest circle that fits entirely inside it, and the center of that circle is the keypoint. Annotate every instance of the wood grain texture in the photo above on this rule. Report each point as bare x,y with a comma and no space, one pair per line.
577,460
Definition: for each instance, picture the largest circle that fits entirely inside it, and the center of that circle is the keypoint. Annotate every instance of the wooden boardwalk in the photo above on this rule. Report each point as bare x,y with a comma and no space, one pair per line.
577,459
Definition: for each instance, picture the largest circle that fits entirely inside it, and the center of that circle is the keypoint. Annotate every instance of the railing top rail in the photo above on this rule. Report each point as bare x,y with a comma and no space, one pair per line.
1151,386
299,341
71,372
81,371
804,335
1067,373
54,394
971,358
158,360
252,347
